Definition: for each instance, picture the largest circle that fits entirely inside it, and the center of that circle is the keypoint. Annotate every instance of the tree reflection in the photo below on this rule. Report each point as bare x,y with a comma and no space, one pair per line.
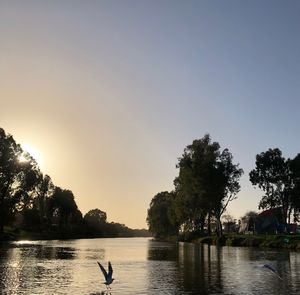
184,268
200,267
4,258
55,253
162,251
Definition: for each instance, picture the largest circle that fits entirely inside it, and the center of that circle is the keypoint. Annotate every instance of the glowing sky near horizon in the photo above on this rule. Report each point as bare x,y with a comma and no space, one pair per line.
110,92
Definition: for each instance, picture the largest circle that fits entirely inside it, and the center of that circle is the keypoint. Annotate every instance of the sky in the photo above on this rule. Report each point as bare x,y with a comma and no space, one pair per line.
109,93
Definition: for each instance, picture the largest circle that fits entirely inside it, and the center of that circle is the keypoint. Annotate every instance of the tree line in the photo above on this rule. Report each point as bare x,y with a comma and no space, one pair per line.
30,201
208,181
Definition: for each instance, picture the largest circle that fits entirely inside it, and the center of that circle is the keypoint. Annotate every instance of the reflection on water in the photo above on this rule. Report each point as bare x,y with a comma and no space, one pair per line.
142,266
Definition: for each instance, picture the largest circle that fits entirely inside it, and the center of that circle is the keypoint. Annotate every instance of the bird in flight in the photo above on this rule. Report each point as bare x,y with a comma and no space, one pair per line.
107,275
271,268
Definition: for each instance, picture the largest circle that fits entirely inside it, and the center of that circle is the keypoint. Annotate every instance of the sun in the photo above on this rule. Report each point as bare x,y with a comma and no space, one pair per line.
33,152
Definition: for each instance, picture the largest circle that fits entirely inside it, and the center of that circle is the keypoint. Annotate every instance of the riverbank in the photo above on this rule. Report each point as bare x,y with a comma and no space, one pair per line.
17,234
32,236
291,242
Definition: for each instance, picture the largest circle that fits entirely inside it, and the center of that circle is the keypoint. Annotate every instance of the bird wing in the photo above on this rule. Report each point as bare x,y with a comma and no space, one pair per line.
268,266
103,270
110,269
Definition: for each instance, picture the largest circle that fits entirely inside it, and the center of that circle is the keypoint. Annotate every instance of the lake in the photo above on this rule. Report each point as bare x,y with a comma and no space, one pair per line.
143,266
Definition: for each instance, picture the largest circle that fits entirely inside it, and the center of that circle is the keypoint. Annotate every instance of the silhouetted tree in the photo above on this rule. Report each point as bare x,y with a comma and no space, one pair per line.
272,175
30,220
96,221
207,182
249,214
193,185
44,191
63,207
161,215
95,217
227,176
227,218
19,174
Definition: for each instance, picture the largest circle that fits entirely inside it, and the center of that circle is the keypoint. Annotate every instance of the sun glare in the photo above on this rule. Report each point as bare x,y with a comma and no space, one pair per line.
34,153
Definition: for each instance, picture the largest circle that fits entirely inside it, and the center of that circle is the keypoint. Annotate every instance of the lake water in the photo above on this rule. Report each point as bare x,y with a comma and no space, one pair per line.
143,266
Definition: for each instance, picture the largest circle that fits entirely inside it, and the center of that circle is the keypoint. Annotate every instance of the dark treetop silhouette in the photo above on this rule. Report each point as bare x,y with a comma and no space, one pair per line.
30,202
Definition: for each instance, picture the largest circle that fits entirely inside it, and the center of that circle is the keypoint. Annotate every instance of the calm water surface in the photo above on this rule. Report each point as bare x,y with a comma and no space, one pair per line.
142,266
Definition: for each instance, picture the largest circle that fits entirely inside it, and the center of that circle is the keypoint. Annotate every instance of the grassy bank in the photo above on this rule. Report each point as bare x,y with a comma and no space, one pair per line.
270,241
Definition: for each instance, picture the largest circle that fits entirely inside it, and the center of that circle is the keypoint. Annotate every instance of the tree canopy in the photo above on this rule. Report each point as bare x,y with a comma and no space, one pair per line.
161,216
279,178
19,175
207,181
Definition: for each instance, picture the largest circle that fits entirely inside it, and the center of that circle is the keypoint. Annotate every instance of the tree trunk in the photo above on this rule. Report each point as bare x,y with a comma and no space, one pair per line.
219,227
289,215
208,224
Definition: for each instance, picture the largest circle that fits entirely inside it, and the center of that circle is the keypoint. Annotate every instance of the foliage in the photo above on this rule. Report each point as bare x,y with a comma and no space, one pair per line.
194,186
272,174
229,223
18,178
161,215
227,181
96,220
95,217
207,182
295,193
63,209
30,201
249,214
44,191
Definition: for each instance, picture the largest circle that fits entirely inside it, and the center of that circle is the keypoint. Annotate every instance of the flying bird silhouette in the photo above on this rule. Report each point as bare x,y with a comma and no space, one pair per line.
107,275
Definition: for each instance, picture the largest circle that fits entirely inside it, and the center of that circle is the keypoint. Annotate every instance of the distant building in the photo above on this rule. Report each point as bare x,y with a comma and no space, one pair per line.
269,221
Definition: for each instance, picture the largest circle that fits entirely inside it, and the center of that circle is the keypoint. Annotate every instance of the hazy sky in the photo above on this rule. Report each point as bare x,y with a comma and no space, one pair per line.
110,92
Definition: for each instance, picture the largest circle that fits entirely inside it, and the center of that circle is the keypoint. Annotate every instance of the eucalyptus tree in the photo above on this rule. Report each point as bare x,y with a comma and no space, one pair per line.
19,173
272,175
194,184
227,176
207,181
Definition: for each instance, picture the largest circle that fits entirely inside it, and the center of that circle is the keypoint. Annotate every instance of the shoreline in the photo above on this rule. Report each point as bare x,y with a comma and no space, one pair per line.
35,236
290,242
287,242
